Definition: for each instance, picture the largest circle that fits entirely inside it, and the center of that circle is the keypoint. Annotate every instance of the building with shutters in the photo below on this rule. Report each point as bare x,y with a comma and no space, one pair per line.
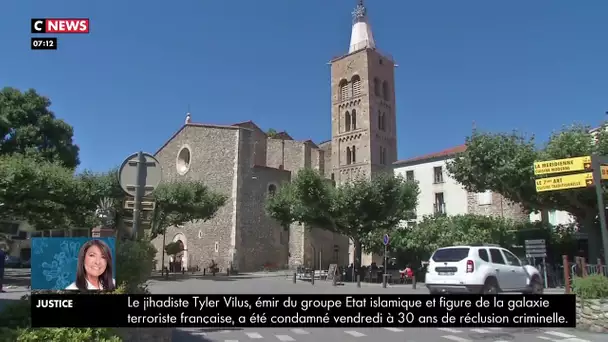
441,194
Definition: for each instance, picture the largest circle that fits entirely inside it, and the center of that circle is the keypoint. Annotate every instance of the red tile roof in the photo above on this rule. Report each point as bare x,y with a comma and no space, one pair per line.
445,153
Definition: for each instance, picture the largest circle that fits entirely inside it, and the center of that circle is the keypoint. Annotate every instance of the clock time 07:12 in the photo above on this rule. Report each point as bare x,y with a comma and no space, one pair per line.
44,44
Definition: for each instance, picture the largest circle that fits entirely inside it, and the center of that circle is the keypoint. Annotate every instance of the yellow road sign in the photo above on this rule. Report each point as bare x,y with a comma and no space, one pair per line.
580,180
562,165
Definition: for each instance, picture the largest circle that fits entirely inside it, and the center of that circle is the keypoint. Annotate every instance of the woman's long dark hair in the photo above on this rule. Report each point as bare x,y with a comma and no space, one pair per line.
106,279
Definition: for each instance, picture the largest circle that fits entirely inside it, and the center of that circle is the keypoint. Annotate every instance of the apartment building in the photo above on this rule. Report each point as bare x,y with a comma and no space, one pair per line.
442,194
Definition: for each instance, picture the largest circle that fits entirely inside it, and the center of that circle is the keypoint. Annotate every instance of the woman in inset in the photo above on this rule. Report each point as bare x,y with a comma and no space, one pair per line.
94,270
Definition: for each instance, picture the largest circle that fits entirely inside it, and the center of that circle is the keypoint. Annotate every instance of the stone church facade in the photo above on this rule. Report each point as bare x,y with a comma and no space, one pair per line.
244,163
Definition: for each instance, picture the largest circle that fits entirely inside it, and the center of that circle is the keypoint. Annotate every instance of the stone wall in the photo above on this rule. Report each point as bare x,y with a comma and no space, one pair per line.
498,206
592,315
214,161
261,239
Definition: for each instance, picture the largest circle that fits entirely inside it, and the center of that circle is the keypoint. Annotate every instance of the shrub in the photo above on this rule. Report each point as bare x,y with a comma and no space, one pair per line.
134,264
67,335
16,322
591,287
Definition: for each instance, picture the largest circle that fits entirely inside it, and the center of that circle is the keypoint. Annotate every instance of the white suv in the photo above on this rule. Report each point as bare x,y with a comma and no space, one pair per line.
486,269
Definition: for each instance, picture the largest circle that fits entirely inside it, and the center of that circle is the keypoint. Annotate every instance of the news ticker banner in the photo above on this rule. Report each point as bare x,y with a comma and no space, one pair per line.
55,26
370,310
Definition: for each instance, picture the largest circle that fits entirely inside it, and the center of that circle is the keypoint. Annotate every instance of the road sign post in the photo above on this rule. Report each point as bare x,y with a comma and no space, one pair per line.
385,240
598,172
537,249
590,171
139,175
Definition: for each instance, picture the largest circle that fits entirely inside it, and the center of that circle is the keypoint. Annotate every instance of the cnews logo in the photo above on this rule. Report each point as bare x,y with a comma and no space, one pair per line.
60,25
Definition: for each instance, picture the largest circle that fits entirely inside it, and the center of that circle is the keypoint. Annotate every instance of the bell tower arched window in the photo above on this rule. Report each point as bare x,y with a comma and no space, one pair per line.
356,85
344,90
272,189
353,119
348,156
353,150
377,89
381,121
385,91
347,121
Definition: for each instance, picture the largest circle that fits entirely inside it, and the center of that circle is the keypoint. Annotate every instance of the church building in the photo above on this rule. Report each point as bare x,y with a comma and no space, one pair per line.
247,165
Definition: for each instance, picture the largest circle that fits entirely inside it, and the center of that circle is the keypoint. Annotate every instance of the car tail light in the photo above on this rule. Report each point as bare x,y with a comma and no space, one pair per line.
470,266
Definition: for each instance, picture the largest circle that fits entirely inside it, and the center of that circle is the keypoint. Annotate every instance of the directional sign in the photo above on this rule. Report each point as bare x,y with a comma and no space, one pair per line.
536,248
386,239
562,165
579,180
535,242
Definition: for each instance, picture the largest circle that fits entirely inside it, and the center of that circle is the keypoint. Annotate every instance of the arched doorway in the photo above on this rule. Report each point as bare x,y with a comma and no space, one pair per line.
182,257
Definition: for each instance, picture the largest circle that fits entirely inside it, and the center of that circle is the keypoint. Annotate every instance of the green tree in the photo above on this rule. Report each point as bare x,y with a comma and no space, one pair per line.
174,248
271,132
356,209
43,193
434,232
27,126
504,163
97,186
179,202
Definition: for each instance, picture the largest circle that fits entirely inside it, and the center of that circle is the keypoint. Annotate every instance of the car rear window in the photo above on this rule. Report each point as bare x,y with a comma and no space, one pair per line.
450,254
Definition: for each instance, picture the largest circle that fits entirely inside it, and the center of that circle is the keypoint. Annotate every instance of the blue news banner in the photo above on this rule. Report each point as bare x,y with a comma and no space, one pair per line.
369,310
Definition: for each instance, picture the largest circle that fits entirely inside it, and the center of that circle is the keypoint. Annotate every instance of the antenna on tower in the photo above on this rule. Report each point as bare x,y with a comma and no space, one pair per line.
474,125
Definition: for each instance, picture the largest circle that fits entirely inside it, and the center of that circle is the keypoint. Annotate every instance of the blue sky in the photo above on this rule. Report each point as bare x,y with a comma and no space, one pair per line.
520,64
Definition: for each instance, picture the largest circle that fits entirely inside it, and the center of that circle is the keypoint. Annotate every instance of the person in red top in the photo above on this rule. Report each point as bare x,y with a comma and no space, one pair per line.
409,272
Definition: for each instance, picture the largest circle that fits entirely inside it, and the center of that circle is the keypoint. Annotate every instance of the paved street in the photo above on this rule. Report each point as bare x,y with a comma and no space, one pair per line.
386,334
282,284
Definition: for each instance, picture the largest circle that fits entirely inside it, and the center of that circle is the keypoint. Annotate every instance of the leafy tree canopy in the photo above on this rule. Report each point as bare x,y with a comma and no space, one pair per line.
180,202
504,163
272,132
27,126
43,193
356,209
174,248
433,232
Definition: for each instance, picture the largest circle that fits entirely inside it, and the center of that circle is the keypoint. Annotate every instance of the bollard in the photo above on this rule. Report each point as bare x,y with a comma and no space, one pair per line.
295,277
312,279
204,271
414,282
358,280
566,273
384,276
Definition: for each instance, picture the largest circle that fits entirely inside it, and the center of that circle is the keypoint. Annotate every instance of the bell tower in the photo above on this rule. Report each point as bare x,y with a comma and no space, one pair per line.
363,113
364,136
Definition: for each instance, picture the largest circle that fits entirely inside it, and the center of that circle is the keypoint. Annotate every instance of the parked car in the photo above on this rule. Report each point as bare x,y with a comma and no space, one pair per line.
486,269
12,261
